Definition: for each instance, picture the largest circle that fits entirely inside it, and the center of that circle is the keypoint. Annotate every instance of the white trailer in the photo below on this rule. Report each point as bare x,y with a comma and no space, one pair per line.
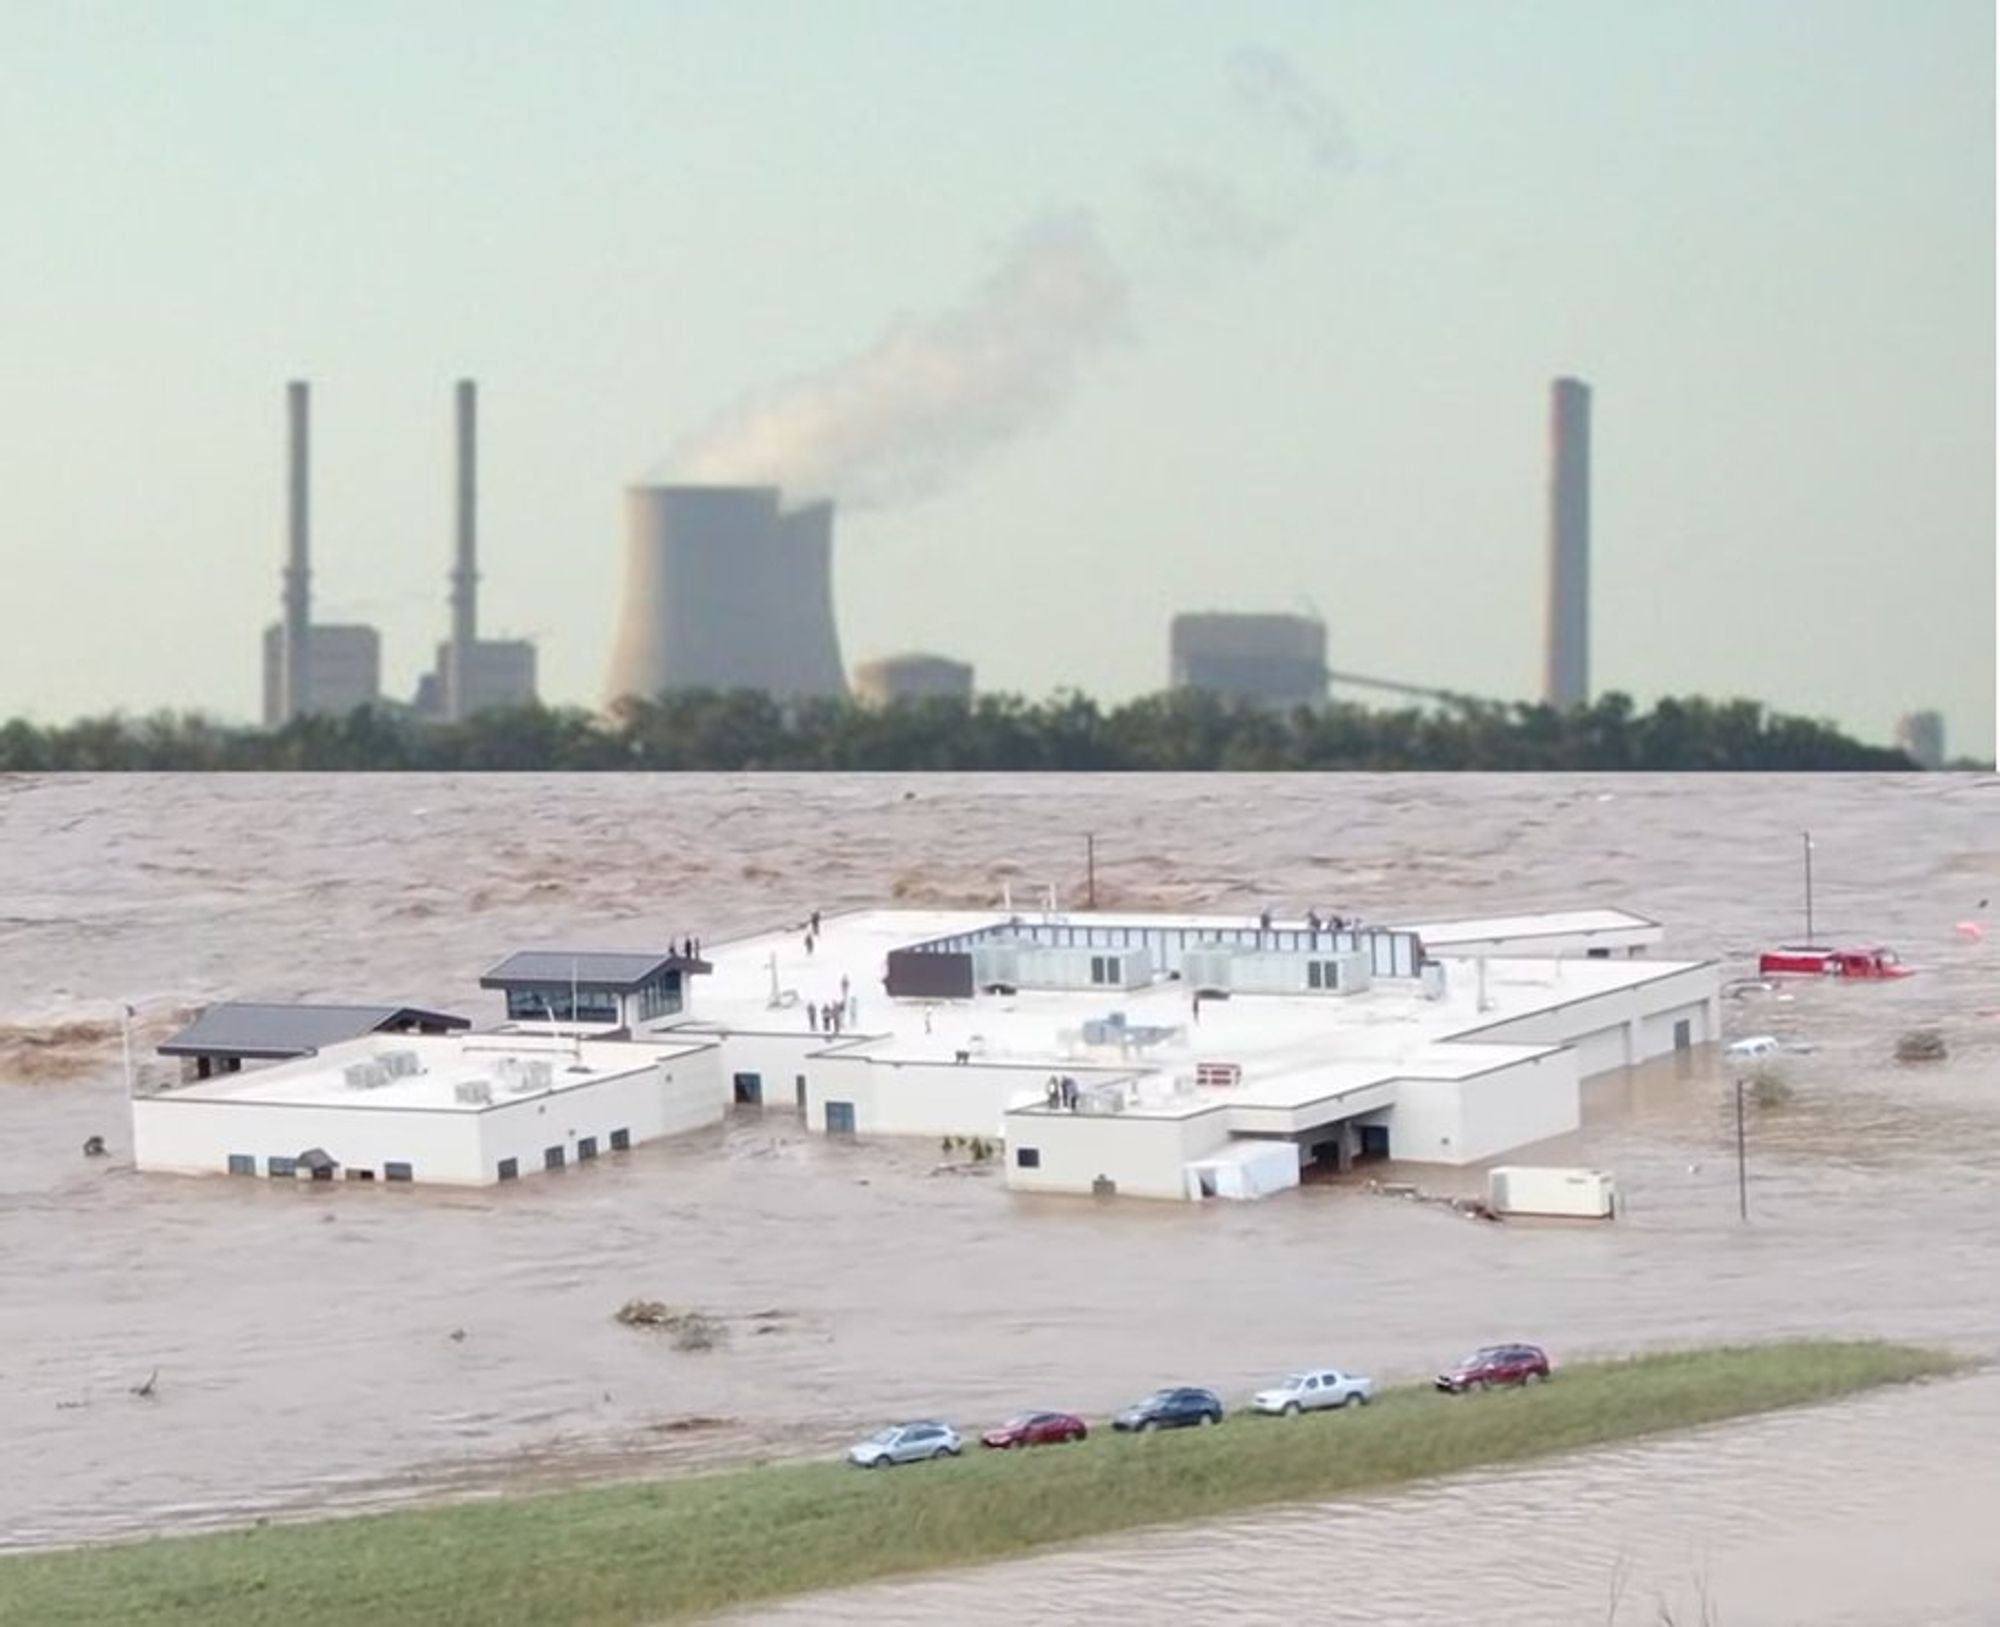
1521,1189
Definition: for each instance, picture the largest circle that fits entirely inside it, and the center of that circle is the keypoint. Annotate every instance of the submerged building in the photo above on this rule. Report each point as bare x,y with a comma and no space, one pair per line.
1157,1056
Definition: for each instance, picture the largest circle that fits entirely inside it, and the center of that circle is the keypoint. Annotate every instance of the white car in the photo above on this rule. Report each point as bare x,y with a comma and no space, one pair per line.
1306,1392
906,1443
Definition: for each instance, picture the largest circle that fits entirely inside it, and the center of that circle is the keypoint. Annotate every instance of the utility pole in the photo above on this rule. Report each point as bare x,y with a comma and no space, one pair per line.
1090,870
1809,913
1742,1180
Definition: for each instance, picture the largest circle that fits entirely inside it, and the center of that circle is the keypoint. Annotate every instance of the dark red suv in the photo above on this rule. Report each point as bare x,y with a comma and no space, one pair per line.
1037,1429
1495,1365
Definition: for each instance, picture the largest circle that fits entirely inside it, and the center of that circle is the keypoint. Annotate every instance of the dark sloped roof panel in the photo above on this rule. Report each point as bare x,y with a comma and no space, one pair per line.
599,968
254,1029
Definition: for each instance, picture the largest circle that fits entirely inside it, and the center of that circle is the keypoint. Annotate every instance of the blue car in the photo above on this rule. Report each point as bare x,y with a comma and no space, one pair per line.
1171,1409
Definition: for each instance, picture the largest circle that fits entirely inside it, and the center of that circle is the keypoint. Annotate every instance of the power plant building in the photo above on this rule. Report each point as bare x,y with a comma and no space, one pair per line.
343,671
1567,674
472,675
896,678
311,670
1276,661
725,589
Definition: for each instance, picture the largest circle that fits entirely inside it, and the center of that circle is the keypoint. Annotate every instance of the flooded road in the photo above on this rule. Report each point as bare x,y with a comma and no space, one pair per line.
346,1347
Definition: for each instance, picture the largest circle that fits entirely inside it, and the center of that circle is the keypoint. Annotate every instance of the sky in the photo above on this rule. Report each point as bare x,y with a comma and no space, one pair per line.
1086,313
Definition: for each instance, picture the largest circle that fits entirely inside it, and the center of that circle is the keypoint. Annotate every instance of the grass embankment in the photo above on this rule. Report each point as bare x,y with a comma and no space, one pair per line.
675,1548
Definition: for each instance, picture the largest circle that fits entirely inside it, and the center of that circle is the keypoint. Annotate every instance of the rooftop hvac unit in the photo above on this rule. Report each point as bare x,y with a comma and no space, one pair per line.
541,1074
365,1075
400,1064
1432,973
476,1091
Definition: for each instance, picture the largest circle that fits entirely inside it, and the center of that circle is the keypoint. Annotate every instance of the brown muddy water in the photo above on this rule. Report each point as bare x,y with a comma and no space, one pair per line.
326,1347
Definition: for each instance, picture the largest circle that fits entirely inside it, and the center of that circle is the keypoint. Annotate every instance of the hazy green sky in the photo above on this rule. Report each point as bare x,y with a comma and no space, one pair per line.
1333,253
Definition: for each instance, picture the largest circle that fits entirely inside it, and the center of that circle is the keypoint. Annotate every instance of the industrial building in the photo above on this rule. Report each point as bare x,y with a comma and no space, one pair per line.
325,670
1277,661
896,678
725,588
472,675
342,670
332,669
1566,683
1156,1056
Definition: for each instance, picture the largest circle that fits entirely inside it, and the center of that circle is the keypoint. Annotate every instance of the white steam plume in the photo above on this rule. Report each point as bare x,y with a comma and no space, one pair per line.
895,421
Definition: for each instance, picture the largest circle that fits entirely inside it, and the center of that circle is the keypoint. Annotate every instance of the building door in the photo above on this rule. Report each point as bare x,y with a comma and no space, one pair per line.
1683,1034
1374,1141
840,1118
800,1081
750,1089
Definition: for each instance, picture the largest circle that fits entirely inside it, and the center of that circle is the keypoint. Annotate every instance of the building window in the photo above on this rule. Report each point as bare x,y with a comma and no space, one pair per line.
586,1148
281,1167
1313,975
396,1172
621,1140
1028,1157
361,1175
555,1004
509,1168
1598,954
1105,968
552,1158
241,1163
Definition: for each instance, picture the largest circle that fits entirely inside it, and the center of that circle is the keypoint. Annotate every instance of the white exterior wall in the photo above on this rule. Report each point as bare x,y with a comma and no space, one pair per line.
185,1136
928,1098
674,1095
777,1059
1514,1106
1143,1157
1597,1026
1424,1125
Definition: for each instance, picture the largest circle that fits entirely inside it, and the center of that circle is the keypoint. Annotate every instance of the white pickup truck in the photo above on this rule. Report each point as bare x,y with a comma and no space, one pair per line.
1306,1392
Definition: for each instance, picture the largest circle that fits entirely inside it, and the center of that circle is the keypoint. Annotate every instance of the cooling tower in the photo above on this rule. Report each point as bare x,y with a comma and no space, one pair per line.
724,589
1567,682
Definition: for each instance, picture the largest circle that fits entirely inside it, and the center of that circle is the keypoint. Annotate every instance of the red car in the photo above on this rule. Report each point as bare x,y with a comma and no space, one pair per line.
1037,1429
1496,1364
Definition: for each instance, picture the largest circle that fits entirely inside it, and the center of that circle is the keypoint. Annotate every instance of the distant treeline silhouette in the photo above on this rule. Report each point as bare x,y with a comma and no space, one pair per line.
1180,731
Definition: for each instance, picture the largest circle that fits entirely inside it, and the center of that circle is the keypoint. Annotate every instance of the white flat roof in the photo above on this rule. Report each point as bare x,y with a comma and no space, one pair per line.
447,1060
1292,1049
1565,923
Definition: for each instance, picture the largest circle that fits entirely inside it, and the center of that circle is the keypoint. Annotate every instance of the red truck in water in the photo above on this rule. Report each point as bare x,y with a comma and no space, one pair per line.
1810,960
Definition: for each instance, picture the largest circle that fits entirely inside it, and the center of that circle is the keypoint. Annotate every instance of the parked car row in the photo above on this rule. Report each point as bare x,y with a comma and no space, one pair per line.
1188,1406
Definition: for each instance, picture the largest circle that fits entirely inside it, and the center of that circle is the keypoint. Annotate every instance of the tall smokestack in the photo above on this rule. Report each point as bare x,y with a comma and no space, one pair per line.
298,565
1567,680
465,572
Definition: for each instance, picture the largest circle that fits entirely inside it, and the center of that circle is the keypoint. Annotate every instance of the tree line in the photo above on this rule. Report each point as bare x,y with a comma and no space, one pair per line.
1179,731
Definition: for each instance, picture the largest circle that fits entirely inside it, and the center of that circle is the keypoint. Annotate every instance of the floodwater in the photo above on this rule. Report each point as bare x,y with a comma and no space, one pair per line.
331,1347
